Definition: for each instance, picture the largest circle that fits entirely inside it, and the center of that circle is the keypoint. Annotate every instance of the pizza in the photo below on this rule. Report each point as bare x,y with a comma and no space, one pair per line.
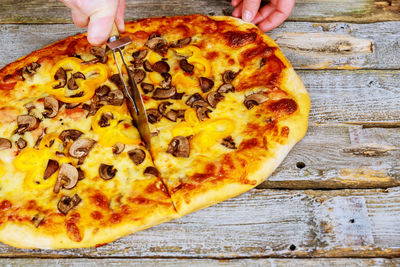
224,106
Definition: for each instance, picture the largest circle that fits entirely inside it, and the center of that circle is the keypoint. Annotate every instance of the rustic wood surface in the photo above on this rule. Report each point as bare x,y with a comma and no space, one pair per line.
336,195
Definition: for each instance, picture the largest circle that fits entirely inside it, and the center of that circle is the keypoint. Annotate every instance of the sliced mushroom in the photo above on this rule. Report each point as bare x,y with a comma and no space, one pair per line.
21,143
254,100
116,79
166,83
61,75
213,98
102,91
138,75
52,167
67,177
137,156
118,148
180,43
81,174
67,203
152,171
161,67
79,75
99,53
201,103
92,108
105,119
71,105
81,147
202,113
107,172
137,62
178,96
186,66
5,143
153,115
147,66
141,54
29,70
160,93
157,44
205,84
29,106
115,97
179,147
162,107
147,87
26,123
51,107
225,88
229,142
193,98
174,114
37,220
69,135
229,76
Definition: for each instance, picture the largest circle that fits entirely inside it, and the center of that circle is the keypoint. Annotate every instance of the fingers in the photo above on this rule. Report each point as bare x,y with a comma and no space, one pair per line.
238,11
250,8
120,16
80,19
263,13
236,2
99,29
272,21
274,14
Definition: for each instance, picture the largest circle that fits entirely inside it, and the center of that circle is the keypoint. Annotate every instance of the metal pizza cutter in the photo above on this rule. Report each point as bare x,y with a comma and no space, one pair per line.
132,95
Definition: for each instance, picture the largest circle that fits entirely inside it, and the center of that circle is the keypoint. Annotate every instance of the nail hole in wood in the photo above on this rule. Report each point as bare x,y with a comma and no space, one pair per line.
351,221
292,247
300,165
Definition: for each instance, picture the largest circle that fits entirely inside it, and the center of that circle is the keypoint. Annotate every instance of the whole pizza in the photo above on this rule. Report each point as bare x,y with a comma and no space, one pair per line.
224,106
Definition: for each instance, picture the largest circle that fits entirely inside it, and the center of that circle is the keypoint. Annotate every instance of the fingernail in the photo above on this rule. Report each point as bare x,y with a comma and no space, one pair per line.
247,16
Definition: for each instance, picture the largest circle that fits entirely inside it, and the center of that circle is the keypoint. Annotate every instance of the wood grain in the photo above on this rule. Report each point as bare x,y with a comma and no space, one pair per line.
266,223
45,11
328,262
341,156
307,45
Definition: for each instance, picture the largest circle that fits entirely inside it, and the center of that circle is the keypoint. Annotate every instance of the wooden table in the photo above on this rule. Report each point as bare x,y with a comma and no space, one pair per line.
335,200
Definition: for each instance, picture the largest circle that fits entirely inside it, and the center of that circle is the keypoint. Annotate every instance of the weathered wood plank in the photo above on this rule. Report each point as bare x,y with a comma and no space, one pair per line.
307,45
42,11
341,156
266,223
328,262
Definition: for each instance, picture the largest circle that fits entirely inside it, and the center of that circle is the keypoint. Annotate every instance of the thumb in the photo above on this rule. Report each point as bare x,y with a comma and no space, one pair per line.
100,23
250,8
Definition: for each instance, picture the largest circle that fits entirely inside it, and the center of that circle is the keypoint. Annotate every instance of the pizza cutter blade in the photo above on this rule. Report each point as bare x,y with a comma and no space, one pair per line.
132,95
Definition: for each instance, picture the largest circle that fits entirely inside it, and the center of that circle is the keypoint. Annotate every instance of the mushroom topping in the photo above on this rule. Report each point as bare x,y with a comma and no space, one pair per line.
179,147
69,135
229,76
26,123
228,142
202,113
67,203
153,115
115,97
118,148
141,54
152,171
81,174
50,106
67,177
254,100
61,76
99,53
71,105
205,84
37,220
29,106
178,96
199,104
193,98
186,66
147,66
102,91
107,172
138,75
5,143
180,43
117,81
79,75
147,87
162,107
30,69
157,44
161,67
71,84
137,156
174,114
166,83
81,147
213,98
160,93
225,88
104,119
21,143
52,167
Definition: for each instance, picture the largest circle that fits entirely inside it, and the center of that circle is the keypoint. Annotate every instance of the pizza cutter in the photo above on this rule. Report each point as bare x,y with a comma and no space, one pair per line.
132,95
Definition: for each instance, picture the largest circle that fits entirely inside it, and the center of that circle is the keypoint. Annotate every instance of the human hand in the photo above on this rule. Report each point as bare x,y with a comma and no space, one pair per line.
99,16
268,17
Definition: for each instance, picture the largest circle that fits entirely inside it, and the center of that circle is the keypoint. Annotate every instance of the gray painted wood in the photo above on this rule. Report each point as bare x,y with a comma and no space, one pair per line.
307,45
334,262
52,11
266,223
